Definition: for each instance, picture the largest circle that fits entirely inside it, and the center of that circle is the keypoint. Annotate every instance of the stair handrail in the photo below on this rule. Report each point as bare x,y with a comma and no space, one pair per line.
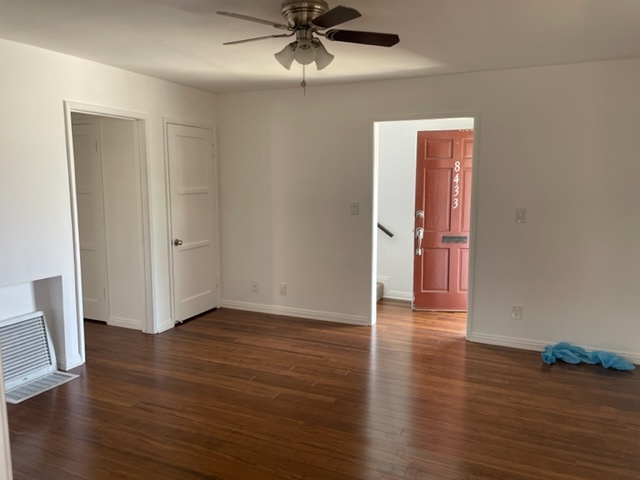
385,230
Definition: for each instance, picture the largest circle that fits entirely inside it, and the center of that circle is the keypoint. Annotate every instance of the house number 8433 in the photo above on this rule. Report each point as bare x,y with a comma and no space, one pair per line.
456,185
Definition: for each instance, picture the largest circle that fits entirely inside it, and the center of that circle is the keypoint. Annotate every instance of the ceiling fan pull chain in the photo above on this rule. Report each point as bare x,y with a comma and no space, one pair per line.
303,84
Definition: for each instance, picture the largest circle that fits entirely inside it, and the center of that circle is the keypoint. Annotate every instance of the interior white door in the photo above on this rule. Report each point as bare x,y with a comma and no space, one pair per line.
194,220
91,230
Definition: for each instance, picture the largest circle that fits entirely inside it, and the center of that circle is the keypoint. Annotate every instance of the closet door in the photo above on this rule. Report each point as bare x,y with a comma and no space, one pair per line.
194,211
91,229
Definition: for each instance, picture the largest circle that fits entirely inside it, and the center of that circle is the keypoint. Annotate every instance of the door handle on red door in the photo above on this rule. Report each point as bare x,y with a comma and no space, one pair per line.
419,235
177,242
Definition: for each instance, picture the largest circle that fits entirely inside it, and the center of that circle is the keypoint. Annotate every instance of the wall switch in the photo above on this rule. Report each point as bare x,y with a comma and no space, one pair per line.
283,289
255,286
516,312
521,215
354,209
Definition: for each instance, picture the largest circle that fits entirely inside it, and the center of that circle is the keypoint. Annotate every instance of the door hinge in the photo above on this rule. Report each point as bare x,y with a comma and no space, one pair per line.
104,293
96,142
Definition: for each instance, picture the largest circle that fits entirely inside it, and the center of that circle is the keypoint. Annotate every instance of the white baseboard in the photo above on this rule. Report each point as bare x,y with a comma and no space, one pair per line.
297,312
538,346
66,364
123,322
165,325
384,280
395,295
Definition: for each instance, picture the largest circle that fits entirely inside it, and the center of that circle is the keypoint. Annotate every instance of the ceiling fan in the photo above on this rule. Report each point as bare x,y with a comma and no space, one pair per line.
307,20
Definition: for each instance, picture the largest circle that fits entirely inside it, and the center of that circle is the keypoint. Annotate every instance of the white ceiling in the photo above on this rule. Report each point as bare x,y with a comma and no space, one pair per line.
181,40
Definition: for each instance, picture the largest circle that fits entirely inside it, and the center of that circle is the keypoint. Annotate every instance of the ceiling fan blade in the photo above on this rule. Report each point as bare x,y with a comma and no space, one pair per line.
365,38
335,16
255,39
254,19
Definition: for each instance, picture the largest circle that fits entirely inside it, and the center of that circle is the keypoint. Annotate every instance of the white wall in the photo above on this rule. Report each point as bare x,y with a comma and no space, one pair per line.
557,140
16,300
396,155
34,185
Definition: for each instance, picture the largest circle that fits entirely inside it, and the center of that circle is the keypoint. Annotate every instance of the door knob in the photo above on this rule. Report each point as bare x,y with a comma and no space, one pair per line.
177,242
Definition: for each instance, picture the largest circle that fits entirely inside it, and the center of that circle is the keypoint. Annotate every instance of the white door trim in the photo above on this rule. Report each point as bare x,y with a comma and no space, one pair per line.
474,204
166,121
148,322
5,451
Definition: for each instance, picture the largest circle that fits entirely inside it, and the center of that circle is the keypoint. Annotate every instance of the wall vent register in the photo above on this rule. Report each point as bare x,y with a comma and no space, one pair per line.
28,358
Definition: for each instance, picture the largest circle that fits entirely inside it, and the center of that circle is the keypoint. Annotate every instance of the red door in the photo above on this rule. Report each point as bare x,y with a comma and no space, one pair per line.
443,206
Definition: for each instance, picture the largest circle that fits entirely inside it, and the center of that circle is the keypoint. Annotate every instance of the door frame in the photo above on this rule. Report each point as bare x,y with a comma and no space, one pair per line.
141,120
474,204
166,121
5,443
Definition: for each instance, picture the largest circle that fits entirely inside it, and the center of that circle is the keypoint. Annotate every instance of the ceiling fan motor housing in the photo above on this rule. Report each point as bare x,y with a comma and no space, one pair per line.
298,13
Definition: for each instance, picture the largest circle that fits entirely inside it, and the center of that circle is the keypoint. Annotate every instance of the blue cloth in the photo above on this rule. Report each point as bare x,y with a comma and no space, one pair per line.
573,354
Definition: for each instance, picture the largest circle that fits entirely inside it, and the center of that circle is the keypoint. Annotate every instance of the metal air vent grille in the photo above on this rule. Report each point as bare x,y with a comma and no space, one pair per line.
25,349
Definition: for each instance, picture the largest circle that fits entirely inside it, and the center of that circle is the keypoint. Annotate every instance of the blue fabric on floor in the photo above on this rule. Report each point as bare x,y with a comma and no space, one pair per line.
573,354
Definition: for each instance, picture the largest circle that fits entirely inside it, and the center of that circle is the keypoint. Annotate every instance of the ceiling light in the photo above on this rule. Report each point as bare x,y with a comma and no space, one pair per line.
323,58
286,56
305,52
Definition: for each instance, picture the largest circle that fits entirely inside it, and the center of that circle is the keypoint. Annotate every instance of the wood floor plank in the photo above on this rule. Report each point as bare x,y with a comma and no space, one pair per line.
237,395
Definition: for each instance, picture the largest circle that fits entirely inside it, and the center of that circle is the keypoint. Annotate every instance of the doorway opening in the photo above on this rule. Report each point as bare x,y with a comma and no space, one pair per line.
397,201
108,184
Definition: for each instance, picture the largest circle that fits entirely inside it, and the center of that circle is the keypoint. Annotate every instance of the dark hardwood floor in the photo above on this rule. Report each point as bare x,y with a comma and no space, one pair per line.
237,395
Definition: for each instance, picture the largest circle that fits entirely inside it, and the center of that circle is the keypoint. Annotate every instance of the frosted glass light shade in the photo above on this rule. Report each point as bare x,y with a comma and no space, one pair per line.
305,52
286,56
323,58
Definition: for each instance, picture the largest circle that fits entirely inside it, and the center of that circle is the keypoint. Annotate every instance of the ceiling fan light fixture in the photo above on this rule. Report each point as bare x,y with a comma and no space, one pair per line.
323,57
287,55
307,18
305,52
